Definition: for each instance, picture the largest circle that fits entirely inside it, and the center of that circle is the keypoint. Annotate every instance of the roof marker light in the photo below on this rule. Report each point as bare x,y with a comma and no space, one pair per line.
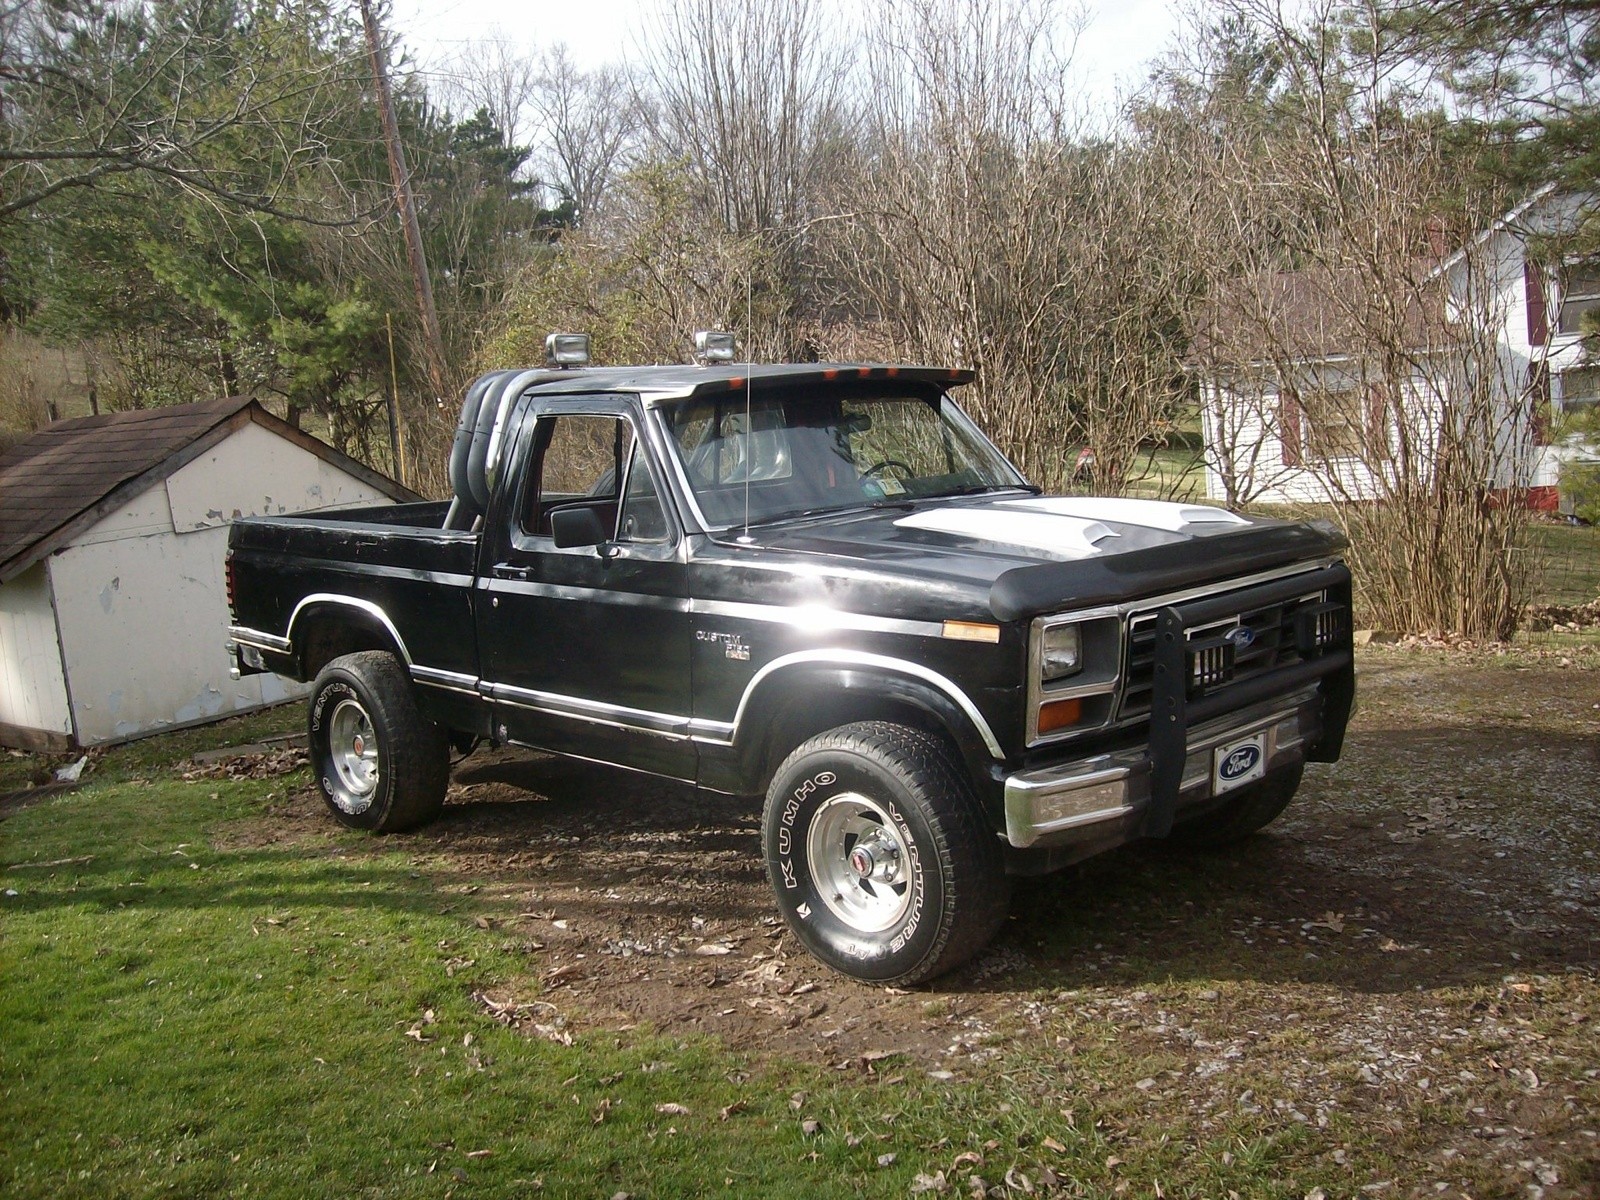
567,349
713,346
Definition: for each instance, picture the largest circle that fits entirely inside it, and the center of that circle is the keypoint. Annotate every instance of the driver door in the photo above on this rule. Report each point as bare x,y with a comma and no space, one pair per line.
586,648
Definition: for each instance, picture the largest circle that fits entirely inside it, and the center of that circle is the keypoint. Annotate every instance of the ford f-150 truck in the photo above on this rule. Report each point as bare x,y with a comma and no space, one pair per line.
823,584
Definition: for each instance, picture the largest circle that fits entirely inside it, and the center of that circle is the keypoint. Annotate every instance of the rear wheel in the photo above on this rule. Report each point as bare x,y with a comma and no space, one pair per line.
879,856
1248,811
379,764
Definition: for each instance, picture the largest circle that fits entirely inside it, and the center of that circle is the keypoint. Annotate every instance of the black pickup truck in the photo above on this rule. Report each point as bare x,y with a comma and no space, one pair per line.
822,584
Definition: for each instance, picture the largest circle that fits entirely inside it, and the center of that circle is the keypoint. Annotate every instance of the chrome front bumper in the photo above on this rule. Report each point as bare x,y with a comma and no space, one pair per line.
1084,800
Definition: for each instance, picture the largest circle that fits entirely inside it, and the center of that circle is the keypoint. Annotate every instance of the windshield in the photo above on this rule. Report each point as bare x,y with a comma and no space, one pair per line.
806,453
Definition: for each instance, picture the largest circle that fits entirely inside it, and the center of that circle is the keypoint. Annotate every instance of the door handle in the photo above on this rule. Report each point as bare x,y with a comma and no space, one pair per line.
504,572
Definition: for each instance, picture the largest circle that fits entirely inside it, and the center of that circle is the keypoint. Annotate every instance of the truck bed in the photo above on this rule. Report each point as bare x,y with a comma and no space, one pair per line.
394,558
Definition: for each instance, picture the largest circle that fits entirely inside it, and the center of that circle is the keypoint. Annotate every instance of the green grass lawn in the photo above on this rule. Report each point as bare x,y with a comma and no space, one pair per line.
1570,558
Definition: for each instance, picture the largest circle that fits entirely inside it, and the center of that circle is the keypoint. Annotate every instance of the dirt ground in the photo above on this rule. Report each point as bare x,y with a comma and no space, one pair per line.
1418,935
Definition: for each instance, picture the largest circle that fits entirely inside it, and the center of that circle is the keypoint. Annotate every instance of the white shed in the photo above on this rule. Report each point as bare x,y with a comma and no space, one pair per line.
113,529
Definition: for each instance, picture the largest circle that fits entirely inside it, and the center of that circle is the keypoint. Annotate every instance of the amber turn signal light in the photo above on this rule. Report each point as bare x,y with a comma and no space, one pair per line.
1058,714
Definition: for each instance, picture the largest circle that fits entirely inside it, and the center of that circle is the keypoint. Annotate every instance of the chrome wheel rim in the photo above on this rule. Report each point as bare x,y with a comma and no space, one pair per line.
861,864
354,750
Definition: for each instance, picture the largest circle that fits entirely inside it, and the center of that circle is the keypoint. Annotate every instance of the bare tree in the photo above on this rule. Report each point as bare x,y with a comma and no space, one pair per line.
495,75
589,122
747,94
980,223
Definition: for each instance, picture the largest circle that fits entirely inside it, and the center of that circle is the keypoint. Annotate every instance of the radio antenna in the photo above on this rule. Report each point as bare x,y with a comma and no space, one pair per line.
749,429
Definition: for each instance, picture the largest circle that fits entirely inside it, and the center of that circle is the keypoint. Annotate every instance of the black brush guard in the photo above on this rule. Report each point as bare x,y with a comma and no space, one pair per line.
1324,639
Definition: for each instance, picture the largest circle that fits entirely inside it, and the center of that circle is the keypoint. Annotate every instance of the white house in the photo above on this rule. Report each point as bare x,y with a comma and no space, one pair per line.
1296,399
113,529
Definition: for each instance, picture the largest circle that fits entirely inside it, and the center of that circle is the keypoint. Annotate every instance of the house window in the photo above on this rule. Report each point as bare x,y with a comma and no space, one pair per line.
1580,388
1333,423
1580,294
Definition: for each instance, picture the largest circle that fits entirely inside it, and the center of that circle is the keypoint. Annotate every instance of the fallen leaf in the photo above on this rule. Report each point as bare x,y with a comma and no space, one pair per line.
886,1160
929,1183
713,949
672,1110
809,1127
967,1158
479,1153
737,1106
1050,1143
1018,1182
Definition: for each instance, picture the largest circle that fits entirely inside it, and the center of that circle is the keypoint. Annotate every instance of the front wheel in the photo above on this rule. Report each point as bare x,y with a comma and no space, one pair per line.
379,764
881,861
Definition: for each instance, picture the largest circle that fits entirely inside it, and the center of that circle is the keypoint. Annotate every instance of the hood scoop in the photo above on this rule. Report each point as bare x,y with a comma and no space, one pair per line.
1011,525
1149,514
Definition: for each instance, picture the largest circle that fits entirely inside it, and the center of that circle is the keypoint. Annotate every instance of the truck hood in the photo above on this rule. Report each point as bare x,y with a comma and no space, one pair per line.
1036,554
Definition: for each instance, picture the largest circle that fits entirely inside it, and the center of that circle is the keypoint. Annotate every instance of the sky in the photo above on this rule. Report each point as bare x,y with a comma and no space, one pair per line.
1120,36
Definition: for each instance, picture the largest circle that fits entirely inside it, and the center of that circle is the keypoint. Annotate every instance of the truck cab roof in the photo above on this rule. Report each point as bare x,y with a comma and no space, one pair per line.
661,383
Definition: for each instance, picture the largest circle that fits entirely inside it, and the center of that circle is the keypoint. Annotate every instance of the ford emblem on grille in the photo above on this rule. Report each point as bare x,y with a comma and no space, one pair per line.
1241,762
1241,636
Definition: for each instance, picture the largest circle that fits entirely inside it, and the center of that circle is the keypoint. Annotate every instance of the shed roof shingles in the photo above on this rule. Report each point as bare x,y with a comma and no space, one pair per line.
61,472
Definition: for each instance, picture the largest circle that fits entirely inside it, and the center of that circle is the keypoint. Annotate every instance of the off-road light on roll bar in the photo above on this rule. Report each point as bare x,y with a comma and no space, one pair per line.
567,349
713,346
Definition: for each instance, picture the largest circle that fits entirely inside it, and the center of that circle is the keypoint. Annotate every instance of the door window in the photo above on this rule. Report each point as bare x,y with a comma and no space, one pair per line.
581,457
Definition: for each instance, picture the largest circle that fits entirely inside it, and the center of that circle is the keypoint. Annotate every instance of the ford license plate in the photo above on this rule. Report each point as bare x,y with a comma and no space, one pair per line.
1237,763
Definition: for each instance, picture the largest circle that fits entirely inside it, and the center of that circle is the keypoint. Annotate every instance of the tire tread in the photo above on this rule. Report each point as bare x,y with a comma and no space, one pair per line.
418,760
966,849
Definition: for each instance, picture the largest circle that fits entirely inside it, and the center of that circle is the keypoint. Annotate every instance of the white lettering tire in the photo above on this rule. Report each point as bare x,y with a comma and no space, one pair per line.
881,861
379,765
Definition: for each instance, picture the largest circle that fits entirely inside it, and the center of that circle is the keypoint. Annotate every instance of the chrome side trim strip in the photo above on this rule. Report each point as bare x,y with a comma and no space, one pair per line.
814,618
601,762
258,639
366,606
562,591
594,711
411,574
450,681
854,658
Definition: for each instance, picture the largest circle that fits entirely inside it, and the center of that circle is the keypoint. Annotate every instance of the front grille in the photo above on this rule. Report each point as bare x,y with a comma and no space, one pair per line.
1215,656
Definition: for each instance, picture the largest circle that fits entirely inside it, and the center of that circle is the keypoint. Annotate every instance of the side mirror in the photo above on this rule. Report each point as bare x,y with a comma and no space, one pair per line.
573,527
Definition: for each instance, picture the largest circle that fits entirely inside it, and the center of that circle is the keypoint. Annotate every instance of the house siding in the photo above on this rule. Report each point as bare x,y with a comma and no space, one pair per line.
1522,302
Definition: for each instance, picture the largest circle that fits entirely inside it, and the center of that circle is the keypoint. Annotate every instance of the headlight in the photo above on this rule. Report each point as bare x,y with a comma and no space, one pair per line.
1061,653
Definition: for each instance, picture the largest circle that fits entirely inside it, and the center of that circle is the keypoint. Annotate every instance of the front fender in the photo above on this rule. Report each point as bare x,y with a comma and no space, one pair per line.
802,695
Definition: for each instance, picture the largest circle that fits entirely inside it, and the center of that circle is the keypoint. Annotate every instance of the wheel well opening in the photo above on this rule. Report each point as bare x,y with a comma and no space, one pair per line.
815,710
329,634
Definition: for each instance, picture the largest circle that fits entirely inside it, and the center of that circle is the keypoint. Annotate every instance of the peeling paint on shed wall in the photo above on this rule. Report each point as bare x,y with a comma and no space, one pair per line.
33,690
141,598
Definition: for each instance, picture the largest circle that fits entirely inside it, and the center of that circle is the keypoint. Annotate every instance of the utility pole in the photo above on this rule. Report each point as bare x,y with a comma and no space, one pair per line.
433,343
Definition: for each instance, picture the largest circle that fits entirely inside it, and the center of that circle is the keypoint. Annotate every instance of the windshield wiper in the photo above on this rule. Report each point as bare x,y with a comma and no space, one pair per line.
978,489
831,510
